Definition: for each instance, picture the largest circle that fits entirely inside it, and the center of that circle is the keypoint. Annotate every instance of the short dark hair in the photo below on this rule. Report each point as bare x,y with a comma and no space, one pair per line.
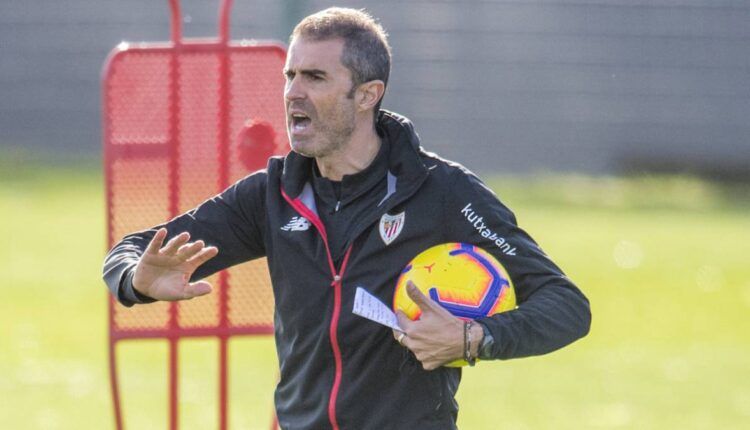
366,52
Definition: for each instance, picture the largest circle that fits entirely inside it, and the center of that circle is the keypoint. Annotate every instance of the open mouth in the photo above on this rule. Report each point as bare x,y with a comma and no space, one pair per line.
300,122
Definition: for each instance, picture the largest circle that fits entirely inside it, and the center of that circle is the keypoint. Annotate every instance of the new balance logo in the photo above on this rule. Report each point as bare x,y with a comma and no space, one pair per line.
297,223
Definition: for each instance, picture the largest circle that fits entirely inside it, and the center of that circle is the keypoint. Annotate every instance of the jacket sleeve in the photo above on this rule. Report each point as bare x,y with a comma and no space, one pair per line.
552,312
233,221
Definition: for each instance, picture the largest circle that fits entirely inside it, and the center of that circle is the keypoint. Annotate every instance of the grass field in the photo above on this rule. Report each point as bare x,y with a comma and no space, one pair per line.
664,261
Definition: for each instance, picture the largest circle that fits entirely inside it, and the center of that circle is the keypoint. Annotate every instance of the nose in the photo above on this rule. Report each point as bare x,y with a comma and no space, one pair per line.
293,90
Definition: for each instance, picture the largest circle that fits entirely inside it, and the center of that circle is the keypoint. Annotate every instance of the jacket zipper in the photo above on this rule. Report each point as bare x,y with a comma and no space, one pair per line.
336,283
333,335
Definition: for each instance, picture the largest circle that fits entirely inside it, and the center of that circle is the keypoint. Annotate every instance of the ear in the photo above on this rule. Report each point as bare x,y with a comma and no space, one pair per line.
369,94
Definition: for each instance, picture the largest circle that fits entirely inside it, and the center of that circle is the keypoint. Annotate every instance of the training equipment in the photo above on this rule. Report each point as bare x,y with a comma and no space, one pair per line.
464,279
182,120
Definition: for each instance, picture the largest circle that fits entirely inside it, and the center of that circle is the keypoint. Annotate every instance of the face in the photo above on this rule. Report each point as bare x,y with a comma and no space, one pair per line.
320,114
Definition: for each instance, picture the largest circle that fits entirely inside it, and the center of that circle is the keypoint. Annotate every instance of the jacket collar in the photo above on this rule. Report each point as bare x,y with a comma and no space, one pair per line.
405,165
352,186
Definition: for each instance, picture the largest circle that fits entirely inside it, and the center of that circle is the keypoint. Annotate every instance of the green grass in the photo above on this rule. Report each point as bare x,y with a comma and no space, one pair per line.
663,260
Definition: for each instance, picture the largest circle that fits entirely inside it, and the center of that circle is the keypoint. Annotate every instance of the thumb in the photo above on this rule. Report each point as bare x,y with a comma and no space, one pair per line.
414,293
195,289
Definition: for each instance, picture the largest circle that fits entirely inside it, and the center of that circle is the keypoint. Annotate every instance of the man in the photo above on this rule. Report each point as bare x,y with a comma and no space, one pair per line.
316,215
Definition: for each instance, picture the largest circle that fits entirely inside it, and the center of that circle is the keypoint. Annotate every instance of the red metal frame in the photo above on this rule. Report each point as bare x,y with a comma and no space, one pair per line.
170,150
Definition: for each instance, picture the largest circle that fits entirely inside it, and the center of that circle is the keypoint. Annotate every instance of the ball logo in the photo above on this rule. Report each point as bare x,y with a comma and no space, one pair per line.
391,226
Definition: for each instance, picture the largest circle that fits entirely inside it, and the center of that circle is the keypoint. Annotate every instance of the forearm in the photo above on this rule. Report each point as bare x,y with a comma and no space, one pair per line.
221,223
551,318
119,267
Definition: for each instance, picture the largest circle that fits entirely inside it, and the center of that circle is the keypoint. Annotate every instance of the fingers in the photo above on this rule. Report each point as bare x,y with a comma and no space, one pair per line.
189,249
416,344
399,336
203,255
196,289
406,324
156,242
195,253
435,338
175,243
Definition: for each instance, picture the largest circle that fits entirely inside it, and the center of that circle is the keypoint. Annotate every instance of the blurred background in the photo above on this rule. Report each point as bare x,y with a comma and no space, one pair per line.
596,86
617,131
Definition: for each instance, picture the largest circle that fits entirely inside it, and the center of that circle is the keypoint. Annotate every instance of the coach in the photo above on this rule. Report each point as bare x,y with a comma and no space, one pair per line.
316,214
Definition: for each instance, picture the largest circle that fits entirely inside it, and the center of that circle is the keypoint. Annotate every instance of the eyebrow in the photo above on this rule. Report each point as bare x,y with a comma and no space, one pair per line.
308,72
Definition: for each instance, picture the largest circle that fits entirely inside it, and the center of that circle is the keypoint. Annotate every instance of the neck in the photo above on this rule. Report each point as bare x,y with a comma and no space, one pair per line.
353,156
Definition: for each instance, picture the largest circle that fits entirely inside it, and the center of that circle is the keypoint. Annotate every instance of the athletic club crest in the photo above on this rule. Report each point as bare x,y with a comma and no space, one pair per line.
391,226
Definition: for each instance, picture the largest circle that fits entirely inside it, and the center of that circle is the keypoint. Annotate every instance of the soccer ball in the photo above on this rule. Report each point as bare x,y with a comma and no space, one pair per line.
464,279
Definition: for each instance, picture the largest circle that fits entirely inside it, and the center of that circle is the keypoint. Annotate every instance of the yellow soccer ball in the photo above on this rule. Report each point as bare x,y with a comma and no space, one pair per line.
464,279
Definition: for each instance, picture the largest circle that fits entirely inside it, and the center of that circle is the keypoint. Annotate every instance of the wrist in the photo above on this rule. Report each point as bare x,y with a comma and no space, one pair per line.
138,289
129,294
140,292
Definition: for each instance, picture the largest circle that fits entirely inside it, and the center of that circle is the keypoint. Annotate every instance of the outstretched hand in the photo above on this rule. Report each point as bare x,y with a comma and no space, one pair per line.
163,273
437,337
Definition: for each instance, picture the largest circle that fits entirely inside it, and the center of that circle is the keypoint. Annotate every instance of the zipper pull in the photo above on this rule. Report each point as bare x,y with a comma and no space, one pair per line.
338,204
336,280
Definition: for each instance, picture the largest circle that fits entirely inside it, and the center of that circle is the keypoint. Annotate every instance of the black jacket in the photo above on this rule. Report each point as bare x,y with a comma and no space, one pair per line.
339,370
